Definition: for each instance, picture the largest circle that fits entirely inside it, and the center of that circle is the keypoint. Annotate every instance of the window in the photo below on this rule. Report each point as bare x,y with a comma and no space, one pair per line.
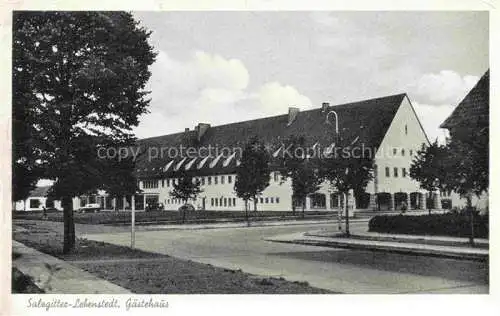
277,199
387,172
229,202
395,172
168,182
276,176
150,184
267,200
220,202
234,201
402,152
221,179
202,180
216,202
212,201
229,179
209,180
404,172
216,180
261,200
272,200
225,202
162,183
394,151
406,129
34,203
411,152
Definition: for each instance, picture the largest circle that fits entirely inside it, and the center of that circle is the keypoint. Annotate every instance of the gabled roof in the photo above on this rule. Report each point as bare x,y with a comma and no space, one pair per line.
40,191
367,121
474,108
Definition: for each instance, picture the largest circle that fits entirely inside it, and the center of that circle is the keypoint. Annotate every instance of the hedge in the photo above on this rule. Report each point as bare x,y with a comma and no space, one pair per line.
449,224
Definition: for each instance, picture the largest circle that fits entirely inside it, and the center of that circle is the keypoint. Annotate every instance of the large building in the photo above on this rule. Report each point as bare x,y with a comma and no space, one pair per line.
472,117
388,125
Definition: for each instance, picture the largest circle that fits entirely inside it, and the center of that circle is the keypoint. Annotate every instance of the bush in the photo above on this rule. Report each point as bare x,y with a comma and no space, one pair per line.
455,224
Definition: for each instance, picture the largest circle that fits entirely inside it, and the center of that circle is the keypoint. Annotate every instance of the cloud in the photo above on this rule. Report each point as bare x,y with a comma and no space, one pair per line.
275,98
446,87
209,88
431,116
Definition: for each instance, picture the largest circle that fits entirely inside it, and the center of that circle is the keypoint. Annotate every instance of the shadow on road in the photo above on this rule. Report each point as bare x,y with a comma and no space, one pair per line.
470,271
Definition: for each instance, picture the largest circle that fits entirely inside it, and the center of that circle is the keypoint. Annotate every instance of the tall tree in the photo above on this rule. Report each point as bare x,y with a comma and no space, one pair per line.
300,169
350,168
429,168
78,82
252,175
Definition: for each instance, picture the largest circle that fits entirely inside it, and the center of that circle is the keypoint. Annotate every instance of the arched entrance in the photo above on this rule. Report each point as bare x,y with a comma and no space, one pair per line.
383,201
362,200
400,200
415,198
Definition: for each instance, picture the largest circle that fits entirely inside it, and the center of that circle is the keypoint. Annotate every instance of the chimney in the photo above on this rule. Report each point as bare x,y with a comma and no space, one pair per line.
324,107
292,114
186,130
202,129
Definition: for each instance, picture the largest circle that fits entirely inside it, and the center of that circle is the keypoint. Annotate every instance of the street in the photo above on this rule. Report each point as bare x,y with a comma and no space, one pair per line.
348,271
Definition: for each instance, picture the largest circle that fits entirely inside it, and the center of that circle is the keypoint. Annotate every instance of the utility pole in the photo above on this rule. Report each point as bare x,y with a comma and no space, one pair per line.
132,236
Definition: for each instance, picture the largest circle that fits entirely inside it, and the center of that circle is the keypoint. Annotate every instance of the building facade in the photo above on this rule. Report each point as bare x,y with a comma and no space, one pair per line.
388,125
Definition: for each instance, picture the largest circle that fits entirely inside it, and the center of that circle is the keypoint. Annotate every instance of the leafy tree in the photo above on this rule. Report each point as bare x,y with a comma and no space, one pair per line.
78,82
429,168
460,166
186,188
252,175
303,172
347,170
468,166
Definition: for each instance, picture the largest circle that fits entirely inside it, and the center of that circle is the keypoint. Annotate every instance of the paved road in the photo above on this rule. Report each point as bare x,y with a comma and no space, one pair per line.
348,271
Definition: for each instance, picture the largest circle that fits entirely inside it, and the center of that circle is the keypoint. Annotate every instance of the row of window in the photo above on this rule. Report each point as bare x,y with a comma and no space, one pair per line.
223,202
403,152
395,172
153,184
267,200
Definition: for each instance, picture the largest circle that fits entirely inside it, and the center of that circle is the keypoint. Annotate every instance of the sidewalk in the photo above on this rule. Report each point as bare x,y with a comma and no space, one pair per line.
64,278
416,245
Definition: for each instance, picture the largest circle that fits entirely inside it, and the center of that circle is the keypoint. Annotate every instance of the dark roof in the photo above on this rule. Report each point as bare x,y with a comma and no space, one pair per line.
367,121
474,108
40,191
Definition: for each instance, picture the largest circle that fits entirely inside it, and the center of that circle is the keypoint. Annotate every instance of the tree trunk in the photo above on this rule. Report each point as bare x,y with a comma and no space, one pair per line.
69,224
471,219
347,213
303,207
255,204
432,201
246,212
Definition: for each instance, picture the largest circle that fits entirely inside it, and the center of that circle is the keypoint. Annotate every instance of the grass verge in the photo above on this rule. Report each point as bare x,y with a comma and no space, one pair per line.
169,217
151,273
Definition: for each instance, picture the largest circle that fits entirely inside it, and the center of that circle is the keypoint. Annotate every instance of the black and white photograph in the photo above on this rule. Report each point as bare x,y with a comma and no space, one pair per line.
314,152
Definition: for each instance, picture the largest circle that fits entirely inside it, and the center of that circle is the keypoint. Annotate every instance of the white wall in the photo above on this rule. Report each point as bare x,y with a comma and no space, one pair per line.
400,138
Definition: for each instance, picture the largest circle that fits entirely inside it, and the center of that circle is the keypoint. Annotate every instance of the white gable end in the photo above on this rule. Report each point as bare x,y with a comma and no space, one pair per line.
403,139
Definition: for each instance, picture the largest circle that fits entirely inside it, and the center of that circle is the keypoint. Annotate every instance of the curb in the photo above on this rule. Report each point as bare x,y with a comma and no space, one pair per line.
407,240
388,248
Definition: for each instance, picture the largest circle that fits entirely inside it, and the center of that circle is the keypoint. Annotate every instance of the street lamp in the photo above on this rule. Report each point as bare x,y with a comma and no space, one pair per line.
337,137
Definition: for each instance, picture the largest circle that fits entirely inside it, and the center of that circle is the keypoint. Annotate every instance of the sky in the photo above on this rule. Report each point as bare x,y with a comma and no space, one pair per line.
224,67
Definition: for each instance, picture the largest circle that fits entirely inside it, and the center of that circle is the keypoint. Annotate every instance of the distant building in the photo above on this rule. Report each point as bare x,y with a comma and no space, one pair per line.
472,113
37,200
